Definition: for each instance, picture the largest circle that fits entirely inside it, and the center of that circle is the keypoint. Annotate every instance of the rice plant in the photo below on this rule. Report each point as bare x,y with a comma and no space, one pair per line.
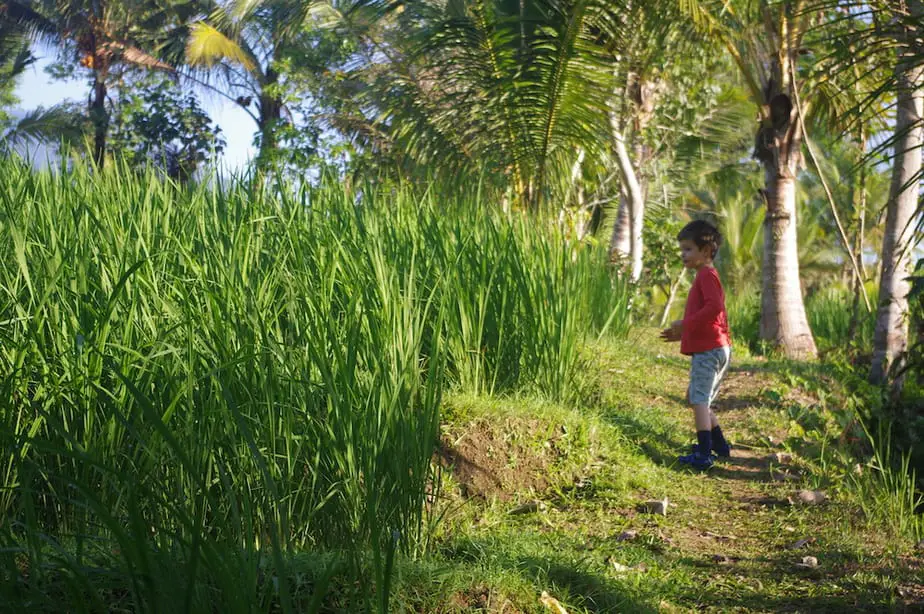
207,385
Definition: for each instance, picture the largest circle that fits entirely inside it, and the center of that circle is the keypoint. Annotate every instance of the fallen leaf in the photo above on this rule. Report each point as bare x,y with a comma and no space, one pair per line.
552,604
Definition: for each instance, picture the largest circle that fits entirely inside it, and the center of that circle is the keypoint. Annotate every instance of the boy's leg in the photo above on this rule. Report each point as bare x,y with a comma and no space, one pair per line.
706,371
719,444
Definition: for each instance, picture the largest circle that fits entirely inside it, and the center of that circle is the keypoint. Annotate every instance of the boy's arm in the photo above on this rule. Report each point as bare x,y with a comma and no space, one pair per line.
674,332
713,302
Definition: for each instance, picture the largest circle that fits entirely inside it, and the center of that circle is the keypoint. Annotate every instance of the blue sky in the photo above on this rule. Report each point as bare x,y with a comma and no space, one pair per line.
36,88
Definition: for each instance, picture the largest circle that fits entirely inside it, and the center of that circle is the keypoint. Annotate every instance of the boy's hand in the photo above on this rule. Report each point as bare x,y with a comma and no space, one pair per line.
674,332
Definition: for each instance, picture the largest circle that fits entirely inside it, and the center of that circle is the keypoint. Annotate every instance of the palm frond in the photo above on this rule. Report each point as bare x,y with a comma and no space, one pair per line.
208,46
57,124
24,17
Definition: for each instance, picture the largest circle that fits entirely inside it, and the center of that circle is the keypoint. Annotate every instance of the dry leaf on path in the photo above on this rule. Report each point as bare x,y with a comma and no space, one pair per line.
552,604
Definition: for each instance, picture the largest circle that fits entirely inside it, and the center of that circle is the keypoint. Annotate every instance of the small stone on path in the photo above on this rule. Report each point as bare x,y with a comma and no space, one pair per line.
811,497
783,476
716,536
808,562
656,507
780,458
627,535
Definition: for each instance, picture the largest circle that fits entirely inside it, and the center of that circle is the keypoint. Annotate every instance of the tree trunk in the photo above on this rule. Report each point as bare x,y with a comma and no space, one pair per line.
891,336
635,207
270,114
100,118
620,241
782,318
778,147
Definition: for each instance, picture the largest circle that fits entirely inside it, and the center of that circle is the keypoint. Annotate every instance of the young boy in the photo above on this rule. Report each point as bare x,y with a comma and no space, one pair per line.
703,334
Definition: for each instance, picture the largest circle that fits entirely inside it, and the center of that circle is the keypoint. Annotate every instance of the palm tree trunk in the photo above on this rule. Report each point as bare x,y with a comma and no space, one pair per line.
270,114
782,320
100,118
891,336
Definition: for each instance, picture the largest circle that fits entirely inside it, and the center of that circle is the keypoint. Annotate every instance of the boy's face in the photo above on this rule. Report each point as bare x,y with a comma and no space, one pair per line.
693,257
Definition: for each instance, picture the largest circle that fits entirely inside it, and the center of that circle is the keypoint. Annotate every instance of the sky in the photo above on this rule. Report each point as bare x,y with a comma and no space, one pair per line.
37,88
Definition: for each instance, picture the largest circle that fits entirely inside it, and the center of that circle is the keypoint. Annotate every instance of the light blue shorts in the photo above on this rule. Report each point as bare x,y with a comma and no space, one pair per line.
706,372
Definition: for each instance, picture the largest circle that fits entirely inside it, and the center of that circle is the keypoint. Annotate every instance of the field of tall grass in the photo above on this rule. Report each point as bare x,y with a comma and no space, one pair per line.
203,384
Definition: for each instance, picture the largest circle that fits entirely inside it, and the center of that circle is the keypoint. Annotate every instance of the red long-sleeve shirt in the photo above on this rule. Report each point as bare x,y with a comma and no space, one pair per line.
705,321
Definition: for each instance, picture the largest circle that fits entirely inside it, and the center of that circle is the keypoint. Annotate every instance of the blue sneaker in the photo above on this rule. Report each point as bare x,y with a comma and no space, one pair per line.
716,454
697,460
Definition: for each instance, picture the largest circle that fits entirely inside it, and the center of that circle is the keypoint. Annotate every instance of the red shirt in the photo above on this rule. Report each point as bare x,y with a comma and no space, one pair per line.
705,321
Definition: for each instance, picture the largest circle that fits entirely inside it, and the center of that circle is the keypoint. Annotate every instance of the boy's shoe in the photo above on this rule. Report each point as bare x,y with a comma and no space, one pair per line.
716,454
697,460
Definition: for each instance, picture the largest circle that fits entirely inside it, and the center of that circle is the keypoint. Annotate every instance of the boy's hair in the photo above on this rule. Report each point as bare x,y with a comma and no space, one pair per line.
703,234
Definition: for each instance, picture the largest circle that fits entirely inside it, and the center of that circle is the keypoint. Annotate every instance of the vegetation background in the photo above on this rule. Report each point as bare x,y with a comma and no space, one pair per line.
405,360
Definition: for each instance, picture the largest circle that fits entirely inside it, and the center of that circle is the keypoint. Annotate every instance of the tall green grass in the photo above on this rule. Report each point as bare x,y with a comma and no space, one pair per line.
203,384
829,313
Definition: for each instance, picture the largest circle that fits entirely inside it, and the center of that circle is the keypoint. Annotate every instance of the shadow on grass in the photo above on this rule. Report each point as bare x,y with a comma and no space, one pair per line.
593,592
741,468
655,439
779,585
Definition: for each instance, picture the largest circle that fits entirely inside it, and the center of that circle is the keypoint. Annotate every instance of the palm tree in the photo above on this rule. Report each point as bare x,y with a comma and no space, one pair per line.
99,35
525,85
245,42
765,40
891,335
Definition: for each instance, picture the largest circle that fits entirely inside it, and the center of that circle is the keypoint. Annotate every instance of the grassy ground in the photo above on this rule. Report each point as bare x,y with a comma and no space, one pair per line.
543,497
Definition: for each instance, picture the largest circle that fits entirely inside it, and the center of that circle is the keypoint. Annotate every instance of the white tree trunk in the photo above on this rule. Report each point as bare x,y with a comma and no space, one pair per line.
620,241
635,205
891,336
783,321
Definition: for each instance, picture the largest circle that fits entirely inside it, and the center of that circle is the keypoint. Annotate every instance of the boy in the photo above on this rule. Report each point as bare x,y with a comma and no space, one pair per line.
703,334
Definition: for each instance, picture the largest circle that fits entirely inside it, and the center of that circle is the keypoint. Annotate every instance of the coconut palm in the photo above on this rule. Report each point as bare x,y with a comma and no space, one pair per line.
99,35
765,39
891,335
526,86
244,43
887,37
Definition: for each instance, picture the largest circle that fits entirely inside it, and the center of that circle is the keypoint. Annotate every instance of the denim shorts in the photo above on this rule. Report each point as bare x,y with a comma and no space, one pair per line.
706,372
